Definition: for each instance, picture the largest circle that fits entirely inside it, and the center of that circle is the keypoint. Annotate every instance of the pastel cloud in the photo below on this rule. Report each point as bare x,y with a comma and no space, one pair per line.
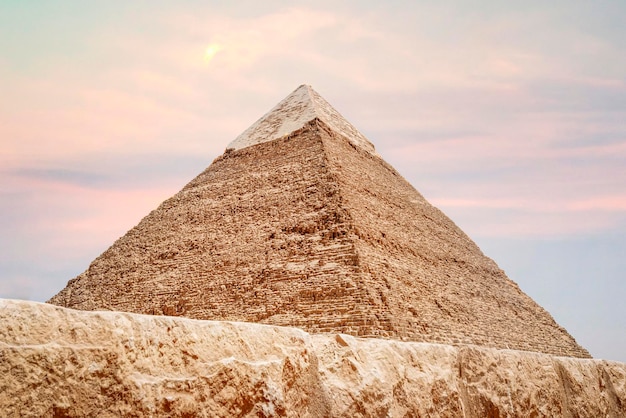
486,88
55,224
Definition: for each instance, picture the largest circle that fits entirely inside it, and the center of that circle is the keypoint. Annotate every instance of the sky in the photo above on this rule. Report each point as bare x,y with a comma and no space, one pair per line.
508,116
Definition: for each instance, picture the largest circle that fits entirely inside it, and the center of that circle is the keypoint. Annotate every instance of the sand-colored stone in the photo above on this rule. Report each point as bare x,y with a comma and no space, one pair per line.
58,362
314,230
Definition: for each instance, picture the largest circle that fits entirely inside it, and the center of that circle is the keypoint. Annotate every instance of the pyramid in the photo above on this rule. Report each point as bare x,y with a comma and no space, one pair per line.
301,223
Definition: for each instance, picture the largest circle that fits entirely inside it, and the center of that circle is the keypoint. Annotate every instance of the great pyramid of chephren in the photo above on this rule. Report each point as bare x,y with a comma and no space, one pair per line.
301,223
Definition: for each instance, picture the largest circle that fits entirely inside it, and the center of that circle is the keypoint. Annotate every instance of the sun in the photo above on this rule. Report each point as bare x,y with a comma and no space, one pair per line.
211,51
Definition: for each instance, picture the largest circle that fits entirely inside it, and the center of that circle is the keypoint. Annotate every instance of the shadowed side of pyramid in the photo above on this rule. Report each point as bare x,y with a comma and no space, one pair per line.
313,229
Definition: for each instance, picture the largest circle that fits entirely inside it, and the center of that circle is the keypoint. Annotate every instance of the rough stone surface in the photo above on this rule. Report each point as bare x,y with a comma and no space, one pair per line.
57,362
313,231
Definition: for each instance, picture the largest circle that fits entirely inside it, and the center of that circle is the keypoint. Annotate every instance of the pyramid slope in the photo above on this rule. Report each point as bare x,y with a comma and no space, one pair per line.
433,281
314,231
250,239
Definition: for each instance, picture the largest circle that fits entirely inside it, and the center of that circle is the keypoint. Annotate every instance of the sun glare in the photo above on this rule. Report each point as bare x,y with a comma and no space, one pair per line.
211,51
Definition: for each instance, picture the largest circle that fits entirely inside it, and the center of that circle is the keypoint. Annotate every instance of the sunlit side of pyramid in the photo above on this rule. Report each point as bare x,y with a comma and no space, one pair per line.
301,223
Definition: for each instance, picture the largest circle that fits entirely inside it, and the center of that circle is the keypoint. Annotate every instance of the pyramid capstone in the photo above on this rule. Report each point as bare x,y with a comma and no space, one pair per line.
302,106
300,223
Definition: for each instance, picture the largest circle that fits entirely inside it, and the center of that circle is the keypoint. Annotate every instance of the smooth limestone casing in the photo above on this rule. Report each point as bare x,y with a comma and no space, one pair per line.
58,362
292,113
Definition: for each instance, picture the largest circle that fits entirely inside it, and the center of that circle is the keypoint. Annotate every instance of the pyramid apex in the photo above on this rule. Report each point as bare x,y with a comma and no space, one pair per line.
297,109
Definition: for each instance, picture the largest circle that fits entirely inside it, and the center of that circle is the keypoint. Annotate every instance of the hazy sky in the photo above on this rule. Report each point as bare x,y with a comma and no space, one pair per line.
508,116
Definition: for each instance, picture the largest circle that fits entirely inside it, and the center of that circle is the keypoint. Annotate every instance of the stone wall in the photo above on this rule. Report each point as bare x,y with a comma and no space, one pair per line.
57,362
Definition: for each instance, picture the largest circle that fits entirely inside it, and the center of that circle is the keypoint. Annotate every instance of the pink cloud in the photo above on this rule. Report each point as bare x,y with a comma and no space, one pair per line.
95,120
615,203
480,203
601,203
483,222
80,217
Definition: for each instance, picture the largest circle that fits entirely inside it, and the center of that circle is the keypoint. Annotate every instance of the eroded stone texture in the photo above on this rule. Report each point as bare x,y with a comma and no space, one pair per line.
67,363
314,230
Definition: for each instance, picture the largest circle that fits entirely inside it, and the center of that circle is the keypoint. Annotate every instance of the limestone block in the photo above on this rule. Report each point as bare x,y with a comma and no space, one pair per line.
59,362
